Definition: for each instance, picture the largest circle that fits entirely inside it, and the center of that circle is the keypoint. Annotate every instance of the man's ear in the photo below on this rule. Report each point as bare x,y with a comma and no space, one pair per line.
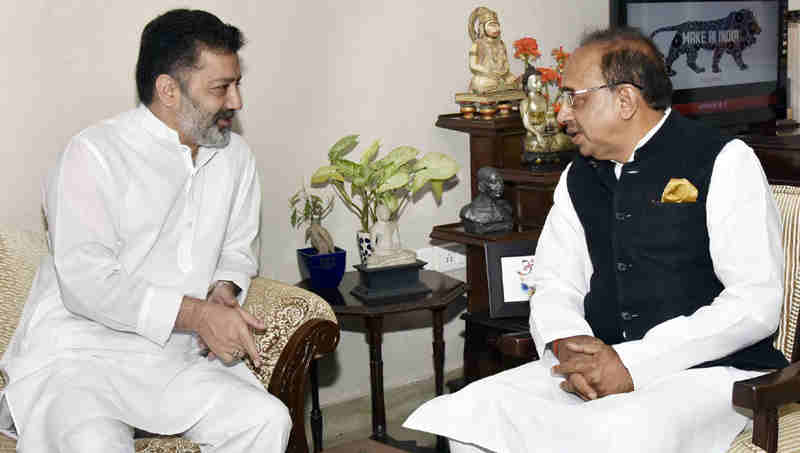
167,90
628,100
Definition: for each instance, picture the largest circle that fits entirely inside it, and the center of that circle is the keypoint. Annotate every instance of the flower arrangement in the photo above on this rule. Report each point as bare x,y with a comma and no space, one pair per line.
527,50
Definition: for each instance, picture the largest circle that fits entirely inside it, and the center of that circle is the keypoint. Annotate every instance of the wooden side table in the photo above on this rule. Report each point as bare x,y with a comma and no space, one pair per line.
445,290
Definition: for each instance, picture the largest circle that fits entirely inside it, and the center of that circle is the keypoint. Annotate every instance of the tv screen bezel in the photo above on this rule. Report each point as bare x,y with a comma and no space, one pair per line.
739,120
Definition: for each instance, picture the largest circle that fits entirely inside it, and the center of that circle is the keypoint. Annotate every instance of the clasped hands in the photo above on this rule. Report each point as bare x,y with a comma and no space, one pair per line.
223,326
591,368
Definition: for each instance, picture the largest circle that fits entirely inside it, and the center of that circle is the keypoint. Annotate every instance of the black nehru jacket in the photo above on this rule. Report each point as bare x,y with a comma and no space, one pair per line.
651,259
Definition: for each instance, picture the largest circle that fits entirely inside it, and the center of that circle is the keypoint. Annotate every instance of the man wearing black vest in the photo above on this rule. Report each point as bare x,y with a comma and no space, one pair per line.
658,276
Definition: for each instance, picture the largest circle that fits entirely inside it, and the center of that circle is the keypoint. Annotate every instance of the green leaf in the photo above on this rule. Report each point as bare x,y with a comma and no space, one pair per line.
437,186
420,179
400,155
394,181
323,174
370,153
348,169
342,147
439,165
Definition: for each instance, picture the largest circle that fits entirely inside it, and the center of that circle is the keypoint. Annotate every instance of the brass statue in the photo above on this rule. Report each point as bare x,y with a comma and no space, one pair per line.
488,59
533,110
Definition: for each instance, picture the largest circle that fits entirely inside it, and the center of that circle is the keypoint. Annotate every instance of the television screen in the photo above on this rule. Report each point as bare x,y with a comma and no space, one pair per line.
723,57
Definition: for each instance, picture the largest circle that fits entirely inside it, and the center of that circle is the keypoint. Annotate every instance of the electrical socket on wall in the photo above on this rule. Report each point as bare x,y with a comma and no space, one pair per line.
444,258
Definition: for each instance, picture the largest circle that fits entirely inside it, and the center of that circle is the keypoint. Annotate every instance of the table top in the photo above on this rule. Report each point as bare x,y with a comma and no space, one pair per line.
444,290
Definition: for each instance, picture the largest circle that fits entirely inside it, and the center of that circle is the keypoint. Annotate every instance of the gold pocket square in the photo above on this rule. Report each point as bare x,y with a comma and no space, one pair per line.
679,190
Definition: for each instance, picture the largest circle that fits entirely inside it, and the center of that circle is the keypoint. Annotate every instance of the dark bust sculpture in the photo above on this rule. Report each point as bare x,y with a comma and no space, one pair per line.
488,213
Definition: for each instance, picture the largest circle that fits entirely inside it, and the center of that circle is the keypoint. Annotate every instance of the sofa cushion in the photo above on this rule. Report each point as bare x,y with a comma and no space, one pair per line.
787,199
20,253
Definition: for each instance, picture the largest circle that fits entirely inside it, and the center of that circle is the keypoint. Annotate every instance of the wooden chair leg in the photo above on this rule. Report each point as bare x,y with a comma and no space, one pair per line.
765,429
316,413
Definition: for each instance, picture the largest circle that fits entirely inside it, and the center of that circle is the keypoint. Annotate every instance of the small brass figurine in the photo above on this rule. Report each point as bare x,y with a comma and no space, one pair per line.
488,59
534,114
488,212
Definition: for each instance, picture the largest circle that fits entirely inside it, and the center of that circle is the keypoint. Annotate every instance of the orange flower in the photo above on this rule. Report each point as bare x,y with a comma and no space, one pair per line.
526,48
556,107
550,76
560,55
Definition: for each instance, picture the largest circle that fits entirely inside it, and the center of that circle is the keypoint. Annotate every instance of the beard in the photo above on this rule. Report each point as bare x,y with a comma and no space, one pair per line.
201,126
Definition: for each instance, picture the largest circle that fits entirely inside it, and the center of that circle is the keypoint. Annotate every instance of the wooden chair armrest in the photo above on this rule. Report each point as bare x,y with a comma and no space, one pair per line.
518,345
770,390
763,395
313,339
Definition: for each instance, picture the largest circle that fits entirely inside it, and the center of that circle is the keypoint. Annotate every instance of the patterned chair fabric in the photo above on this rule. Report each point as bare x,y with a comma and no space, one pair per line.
284,309
787,199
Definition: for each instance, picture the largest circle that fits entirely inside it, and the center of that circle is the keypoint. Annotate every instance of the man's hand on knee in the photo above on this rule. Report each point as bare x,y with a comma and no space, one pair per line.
564,353
599,365
577,384
225,330
222,292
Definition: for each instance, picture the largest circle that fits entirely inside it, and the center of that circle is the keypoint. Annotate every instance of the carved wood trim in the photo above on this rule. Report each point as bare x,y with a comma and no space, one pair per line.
313,339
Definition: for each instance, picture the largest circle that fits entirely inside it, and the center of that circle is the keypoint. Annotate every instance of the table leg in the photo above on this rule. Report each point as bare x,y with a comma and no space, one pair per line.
375,338
438,364
316,413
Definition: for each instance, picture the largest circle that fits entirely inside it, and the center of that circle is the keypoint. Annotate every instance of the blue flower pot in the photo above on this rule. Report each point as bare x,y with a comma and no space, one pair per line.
324,270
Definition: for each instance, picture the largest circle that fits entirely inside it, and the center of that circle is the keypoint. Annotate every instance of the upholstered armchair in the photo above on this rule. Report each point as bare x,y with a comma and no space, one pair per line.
300,327
772,397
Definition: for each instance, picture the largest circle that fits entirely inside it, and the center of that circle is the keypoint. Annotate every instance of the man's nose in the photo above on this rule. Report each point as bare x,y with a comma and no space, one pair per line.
564,113
233,101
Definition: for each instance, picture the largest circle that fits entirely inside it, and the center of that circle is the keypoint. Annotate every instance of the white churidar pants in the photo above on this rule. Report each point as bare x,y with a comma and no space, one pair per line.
90,404
524,410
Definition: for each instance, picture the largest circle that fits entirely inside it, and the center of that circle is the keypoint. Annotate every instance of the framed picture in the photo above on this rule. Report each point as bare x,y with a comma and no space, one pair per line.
508,265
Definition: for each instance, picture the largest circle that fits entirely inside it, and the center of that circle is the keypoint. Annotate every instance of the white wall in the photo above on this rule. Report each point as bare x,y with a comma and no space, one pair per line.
313,71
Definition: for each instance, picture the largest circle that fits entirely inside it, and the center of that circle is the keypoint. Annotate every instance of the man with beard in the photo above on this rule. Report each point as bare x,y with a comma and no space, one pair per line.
658,279
153,227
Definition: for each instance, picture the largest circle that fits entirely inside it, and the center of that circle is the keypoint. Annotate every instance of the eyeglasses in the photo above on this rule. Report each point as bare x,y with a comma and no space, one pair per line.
568,96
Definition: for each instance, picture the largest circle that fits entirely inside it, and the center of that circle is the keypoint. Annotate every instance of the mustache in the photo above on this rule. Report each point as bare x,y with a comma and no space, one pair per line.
224,115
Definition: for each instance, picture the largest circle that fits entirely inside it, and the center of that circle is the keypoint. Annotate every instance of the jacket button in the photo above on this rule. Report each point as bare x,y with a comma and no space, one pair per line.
622,267
628,316
622,216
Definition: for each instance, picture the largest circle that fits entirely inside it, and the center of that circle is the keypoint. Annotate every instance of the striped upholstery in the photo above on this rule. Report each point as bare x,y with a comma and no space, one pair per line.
787,199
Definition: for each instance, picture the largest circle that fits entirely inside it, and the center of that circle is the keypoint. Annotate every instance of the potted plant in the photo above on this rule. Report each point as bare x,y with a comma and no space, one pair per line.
389,181
323,262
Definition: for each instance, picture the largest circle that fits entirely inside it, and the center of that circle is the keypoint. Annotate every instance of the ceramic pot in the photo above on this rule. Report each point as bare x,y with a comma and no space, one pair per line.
324,270
364,240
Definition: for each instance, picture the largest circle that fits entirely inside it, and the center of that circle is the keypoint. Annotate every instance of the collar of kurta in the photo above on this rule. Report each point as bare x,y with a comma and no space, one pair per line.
160,130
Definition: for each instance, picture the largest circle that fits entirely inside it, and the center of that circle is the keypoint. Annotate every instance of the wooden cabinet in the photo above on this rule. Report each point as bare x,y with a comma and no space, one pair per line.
497,143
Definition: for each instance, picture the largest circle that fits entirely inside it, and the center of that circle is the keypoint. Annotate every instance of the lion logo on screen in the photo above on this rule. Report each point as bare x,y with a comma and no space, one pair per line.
731,35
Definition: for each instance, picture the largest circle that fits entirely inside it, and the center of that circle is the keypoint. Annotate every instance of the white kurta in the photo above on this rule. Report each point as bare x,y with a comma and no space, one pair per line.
134,225
529,411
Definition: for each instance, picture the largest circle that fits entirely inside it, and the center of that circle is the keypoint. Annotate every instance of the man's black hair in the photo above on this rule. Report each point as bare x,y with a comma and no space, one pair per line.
630,56
172,42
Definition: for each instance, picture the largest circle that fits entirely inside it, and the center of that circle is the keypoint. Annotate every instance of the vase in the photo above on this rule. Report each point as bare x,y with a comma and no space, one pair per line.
364,240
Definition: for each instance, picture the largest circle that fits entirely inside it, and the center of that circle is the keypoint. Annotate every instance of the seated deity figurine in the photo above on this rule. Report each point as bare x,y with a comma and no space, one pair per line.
488,60
534,114
487,212
386,247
